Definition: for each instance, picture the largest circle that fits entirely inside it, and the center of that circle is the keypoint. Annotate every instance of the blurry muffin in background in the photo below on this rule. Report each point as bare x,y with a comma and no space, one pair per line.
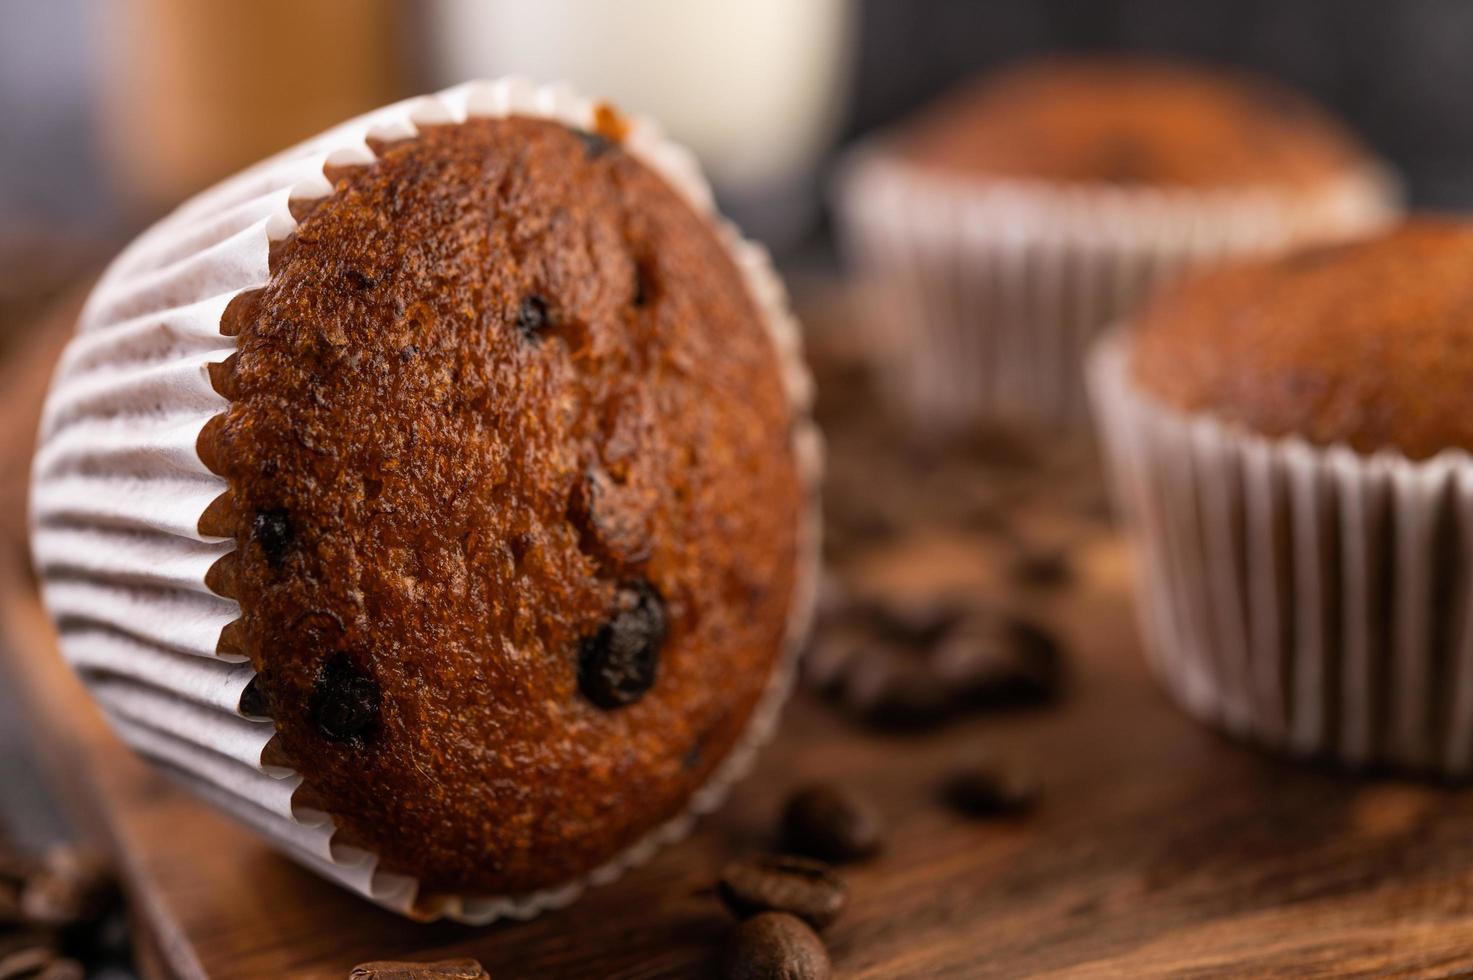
1290,445
1005,226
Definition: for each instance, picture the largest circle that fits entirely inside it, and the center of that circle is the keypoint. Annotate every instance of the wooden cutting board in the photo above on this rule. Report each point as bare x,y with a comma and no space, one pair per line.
1158,848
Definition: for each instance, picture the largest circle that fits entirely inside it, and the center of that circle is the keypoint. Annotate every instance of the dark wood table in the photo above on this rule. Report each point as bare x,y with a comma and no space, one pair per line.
1158,848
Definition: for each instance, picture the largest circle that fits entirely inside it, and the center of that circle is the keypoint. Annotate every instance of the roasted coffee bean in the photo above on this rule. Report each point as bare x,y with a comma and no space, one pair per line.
26,963
619,661
72,887
466,969
595,145
1040,660
532,317
345,700
903,695
273,534
62,969
783,883
989,791
774,946
1042,568
830,822
252,702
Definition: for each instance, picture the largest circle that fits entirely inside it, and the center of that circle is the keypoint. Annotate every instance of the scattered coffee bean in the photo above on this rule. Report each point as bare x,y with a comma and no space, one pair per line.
619,661
272,532
899,694
71,887
345,700
532,317
775,946
985,791
465,969
783,883
830,822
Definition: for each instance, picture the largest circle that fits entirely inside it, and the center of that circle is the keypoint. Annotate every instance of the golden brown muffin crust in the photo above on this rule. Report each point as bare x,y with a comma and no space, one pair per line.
1368,343
1131,121
504,388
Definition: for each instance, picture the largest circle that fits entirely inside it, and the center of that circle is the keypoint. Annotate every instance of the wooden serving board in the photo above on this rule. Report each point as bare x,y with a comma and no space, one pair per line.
1158,848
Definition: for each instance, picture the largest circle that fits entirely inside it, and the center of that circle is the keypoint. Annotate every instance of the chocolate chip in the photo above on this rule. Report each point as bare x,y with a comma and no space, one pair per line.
988,791
466,969
774,946
783,883
345,700
595,145
252,701
828,821
272,532
532,317
641,285
618,662
358,280
1042,568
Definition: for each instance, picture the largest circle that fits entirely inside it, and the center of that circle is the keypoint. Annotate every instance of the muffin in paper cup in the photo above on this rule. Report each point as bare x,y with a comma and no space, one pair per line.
438,499
1291,467
999,233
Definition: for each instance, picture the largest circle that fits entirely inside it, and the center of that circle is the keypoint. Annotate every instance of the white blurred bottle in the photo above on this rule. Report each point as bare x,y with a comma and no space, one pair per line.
754,87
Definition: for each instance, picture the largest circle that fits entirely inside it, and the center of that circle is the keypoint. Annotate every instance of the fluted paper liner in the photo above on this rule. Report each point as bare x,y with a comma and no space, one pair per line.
1312,599
118,489
988,291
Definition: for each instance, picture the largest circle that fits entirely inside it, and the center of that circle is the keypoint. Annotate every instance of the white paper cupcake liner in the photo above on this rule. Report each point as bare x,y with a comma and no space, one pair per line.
988,292
1315,600
118,489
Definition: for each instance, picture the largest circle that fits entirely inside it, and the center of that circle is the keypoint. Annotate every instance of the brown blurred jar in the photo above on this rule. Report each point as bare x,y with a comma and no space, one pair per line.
193,90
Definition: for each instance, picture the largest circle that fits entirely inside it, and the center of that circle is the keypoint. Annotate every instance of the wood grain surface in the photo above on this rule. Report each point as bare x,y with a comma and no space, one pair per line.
1158,849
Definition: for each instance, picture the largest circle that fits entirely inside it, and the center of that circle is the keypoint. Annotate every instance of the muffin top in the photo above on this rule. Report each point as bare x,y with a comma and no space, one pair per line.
514,500
1131,121
1367,343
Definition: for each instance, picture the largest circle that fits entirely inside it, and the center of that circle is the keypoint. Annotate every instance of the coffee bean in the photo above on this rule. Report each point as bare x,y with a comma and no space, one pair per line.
833,823
619,661
26,962
783,883
903,695
532,317
774,946
273,534
345,700
465,969
987,791
71,888
60,970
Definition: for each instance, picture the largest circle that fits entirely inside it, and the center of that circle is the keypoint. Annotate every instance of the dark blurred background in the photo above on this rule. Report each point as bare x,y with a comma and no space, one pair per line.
115,109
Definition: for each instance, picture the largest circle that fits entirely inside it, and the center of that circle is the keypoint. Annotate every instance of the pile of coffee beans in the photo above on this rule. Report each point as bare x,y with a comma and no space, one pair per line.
57,913
918,663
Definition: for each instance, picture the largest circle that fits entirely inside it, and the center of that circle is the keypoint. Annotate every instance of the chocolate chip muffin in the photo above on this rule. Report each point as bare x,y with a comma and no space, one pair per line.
1294,470
1005,226
514,499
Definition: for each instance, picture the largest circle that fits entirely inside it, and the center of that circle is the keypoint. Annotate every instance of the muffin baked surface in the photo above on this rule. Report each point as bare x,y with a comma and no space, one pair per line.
515,505
1131,121
1367,343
